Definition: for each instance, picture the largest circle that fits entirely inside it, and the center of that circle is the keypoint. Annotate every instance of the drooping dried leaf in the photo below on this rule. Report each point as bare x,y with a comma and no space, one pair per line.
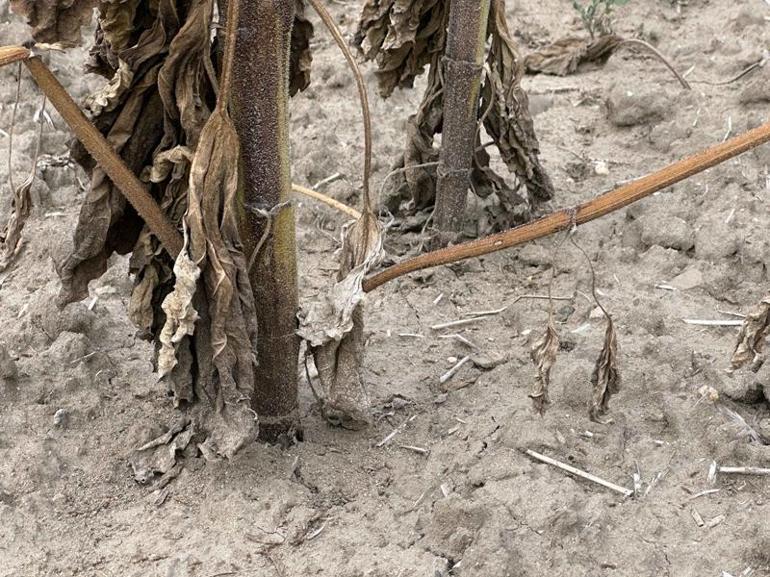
751,340
543,354
564,56
55,20
605,377
509,122
215,246
333,328
156,111
403,36
301,57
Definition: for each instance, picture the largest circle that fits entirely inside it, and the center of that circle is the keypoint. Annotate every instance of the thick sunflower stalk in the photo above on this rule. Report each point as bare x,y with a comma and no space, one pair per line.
161,63
405,36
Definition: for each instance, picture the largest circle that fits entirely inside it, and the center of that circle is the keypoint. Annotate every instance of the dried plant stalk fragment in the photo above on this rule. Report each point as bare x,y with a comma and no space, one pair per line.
543,354
564,56
751,340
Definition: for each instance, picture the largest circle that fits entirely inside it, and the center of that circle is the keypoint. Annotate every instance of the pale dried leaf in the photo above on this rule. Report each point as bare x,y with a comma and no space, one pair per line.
543,354
751,340
180,312
108,98
605,377
566,54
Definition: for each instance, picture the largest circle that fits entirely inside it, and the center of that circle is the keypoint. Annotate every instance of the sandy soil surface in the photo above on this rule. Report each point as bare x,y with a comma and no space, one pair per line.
466,502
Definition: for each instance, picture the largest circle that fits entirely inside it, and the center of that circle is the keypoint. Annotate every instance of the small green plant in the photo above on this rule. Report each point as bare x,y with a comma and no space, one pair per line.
597,15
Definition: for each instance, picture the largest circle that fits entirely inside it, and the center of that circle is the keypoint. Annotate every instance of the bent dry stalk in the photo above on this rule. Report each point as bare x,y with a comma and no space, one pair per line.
597,207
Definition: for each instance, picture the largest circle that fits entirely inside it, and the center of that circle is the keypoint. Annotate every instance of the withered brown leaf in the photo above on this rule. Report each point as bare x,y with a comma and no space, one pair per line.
403,36
55,20
564,56
751,340
301,57
605,377
509,122
543,354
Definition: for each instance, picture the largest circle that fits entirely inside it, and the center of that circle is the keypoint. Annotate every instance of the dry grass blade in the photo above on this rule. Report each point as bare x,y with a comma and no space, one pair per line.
543,354
751,340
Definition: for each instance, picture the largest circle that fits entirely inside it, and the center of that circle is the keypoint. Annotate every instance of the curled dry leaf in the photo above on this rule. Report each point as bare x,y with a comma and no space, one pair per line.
605,377
55,20
333,327
751,340
543,354
10,238
564,56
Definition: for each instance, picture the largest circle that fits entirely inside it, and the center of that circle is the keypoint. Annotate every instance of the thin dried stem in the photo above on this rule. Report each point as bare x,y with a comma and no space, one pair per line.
335,204
335,32
655,52
11,129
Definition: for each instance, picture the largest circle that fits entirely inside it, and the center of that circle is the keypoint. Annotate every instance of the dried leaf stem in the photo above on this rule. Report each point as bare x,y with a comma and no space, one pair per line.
586,212
335,32
98,147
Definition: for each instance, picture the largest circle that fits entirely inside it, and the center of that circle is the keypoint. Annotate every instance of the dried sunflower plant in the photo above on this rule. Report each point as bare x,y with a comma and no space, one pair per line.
468,84
212,242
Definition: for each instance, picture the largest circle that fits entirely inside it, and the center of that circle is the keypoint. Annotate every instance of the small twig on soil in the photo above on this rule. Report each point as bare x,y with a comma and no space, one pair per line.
714,323
460,338
395,432
488,313
453,371
458,323
329,179
579,473
335,204
703,493
421,450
